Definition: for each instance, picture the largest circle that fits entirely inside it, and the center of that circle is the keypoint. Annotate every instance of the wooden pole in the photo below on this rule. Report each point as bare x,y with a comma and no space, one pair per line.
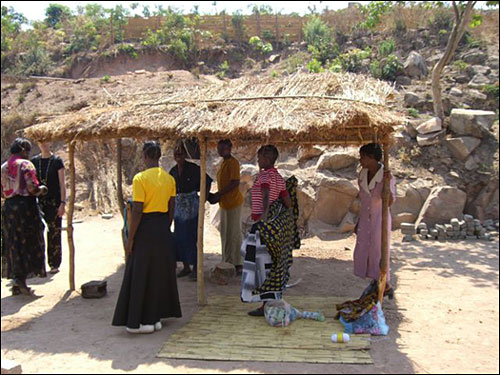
202,298
277,27
384,264
119,188
71,210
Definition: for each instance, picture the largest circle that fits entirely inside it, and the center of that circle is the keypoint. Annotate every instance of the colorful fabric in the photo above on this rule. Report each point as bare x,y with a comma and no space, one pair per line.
23,247
231,236
16,174
280,314
266,179
368,250
186,227
268,252
371,322
154,187
229,171
352,310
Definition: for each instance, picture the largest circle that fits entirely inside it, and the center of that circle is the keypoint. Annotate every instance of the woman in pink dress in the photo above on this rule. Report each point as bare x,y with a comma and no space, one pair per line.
367,253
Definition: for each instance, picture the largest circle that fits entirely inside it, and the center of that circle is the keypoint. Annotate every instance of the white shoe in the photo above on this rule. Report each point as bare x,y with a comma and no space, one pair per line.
158,326
148,328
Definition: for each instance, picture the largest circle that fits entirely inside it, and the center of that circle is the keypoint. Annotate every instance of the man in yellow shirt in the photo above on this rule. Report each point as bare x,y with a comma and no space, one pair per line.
230,201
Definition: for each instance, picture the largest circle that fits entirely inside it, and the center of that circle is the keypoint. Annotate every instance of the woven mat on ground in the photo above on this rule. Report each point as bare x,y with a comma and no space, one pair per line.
223,331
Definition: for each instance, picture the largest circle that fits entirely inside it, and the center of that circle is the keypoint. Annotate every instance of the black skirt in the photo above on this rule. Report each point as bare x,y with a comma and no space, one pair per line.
149,288
23,245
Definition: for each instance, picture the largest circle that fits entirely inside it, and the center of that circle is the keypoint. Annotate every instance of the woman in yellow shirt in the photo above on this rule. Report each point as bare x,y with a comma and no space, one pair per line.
149,288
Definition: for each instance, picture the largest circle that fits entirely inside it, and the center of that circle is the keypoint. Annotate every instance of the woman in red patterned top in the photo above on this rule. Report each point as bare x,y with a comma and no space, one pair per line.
23,247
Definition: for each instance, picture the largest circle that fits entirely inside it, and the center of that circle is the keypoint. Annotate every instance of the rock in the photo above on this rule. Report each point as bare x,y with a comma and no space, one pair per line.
411,99
479,69
348,223
333,198
11,367
478,81
333,161
474,57
274,58
472,122
403,81
471,164
408,228
141,71
477,95
404,217
429,139
456,92
454,174
430,126
485,205
443,204
415,65
306,153
222,273
462,147
107,216
493,62
411,128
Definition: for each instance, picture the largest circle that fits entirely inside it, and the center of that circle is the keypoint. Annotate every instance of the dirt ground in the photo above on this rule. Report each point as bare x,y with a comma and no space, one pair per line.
444,318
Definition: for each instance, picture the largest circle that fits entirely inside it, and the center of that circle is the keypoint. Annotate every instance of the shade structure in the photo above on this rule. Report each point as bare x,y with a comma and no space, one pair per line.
299,109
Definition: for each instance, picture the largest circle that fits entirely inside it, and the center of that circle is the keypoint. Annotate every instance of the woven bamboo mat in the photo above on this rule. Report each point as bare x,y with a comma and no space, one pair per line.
223,331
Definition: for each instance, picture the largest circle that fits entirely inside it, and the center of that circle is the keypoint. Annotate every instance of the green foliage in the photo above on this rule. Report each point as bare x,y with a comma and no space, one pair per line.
105,79
295,62
274,74
471,41
491,91
375,69
55,14
460,65
386,48
267,35
257,44
35,61
223,69
128,49
239,27
413,112
11,27
315,31
400,28
153,39
390,68
314,66
442,20
373,12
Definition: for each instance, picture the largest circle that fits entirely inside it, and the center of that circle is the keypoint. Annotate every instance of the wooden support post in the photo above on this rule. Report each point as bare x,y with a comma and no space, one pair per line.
71,210
277,27
119,187
384,261
202,298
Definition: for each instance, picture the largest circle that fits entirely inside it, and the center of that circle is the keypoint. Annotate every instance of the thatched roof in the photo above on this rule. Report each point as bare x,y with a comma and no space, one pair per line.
301,108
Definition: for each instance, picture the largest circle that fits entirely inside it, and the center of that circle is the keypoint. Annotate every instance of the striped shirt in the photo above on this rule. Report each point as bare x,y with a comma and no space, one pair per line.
272,180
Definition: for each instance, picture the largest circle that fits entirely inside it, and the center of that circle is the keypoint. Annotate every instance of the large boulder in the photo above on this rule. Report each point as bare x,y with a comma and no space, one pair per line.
334,197
409,201
404,217
333,161
443,204
415,65
411,99
461,147
478,69
430,126
305,153
478,81
472,122
485,205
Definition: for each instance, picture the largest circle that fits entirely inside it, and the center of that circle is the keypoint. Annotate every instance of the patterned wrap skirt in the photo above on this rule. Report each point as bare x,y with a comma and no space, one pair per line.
23,245
267,251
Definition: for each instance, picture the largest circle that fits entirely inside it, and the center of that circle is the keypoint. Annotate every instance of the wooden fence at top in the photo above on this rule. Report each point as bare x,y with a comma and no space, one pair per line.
286,27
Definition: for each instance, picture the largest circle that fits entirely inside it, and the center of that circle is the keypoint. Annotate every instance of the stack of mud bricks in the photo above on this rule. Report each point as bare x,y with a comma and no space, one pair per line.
409,231
466,229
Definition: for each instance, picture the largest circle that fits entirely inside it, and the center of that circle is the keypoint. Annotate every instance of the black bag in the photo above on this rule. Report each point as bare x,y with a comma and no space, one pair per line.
94,289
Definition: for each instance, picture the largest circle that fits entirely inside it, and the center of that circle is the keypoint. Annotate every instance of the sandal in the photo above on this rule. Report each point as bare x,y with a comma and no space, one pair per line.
257,312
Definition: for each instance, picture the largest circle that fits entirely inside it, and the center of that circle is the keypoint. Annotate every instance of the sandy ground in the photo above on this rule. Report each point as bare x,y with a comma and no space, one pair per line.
444,318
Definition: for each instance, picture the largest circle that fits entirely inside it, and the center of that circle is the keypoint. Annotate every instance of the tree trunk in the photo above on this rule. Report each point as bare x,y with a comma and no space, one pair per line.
461,21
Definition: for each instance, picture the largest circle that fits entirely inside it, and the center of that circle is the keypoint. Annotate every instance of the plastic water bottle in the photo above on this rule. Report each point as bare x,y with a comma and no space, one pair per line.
340,337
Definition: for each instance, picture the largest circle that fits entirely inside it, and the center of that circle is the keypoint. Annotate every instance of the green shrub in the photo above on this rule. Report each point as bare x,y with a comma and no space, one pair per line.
128,49
295,62
400,28
105,79
351,61
413,112
259,46
152,39
274,74
386,47
320,41
460,65
491,91
223,69
268,35
314,66
390,68
443,20
375,69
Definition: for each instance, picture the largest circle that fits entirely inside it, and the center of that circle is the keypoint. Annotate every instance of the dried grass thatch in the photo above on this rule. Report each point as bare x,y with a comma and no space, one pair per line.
325,108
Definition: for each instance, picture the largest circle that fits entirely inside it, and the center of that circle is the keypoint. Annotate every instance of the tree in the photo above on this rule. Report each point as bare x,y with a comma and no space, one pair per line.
462,13
55,13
